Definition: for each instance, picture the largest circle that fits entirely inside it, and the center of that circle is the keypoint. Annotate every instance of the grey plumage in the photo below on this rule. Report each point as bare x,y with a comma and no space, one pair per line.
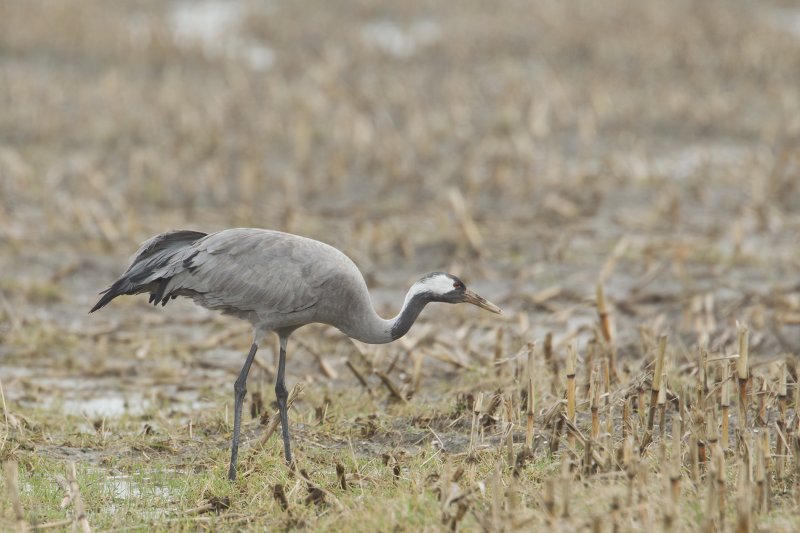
278,282
272,279
153,256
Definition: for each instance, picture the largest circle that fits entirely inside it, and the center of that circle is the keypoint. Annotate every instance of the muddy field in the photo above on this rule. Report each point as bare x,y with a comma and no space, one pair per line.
607,172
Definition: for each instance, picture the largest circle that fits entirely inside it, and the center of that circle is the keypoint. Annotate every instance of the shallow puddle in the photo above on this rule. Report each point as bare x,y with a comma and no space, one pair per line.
96,398
398,41
215,25
104,406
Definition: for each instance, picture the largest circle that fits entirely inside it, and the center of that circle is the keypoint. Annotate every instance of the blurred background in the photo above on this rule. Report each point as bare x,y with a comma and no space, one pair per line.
534,148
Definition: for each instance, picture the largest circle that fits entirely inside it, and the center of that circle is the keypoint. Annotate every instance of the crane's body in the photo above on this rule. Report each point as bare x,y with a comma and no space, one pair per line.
277,282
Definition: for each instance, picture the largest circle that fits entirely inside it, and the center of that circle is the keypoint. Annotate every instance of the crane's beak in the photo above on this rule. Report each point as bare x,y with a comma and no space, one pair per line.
483,303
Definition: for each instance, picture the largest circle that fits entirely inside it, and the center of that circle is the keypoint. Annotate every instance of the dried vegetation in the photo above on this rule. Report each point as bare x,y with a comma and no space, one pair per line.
622,177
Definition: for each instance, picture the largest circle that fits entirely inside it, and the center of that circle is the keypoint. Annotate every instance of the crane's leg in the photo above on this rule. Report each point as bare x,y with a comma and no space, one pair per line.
282,394
239,389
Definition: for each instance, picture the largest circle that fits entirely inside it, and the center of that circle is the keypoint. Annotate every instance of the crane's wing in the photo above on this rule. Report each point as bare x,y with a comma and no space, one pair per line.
153,256
246,270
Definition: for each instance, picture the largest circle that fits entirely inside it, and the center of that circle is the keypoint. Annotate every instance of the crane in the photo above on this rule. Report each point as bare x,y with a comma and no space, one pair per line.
278,282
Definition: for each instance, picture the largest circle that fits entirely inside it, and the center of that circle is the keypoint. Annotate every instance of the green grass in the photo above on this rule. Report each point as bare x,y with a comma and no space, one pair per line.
140,480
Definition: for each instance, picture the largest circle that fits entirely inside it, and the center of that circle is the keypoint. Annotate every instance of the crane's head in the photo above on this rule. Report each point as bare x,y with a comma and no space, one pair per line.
443,287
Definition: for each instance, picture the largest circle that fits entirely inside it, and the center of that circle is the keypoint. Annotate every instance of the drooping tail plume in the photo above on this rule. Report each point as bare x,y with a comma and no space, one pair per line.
143,273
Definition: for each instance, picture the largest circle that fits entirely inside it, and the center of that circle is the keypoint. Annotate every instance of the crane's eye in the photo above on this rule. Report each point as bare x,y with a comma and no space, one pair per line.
458,285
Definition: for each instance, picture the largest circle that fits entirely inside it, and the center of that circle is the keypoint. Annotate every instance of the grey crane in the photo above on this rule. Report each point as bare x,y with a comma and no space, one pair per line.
278,282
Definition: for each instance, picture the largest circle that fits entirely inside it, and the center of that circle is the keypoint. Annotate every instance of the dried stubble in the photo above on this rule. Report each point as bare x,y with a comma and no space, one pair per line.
341,139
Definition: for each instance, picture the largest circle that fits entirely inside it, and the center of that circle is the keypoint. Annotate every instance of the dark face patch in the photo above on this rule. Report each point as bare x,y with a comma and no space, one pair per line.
420,299
455,295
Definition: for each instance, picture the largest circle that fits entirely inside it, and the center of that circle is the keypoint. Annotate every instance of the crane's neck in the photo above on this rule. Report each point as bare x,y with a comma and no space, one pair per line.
378,330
